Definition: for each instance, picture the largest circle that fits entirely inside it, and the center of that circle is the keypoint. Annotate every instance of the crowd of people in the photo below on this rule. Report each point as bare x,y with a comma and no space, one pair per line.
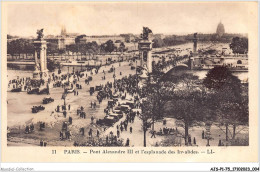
120,89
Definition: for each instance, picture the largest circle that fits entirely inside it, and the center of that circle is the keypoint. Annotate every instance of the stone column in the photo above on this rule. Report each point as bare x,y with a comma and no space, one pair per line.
149,61
141,58
40,59
35,57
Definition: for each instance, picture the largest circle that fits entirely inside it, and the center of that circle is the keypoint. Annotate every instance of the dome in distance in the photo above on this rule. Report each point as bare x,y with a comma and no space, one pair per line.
220,30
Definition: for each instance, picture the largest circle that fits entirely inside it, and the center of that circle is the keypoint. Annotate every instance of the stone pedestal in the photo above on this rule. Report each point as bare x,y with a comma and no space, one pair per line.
143,79
145,47
41,71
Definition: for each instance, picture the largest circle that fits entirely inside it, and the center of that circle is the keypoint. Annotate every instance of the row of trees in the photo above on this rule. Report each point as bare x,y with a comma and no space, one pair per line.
25,46
20,46
239,45
215,100
168,41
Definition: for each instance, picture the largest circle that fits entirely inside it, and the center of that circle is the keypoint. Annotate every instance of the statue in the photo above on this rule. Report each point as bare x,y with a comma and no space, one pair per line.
144,71
145,34
40,34
195,35
37,67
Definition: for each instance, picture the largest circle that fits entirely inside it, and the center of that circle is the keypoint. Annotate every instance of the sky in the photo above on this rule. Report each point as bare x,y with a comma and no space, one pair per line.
92,18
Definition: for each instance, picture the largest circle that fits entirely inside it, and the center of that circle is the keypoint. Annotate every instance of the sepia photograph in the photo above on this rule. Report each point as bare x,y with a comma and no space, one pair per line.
97,74
69,87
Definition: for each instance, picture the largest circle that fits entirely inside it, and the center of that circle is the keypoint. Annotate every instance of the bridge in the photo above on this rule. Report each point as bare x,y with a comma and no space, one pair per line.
21,62
181,62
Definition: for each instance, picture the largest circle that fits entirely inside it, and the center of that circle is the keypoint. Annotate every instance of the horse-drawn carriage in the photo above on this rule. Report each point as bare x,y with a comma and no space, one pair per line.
69,90
43,91
117,116
47,100
36,109
88,79
111,70
107,121
132,68
98,88
91,90
19,89
33,91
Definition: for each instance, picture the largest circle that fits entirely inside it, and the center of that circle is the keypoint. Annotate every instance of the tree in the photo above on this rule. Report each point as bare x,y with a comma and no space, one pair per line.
146,117
52,48
109,46
188,102
186,109
28,47
52,65
220,80
159,93
239,45
157,43
122,47
20,46
11,48
227,101
72,48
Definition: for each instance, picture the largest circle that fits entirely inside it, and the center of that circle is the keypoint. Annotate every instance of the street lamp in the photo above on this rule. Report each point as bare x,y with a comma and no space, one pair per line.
114,76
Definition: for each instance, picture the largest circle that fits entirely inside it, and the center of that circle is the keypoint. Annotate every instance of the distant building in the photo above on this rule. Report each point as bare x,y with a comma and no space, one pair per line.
220,30
104,38
65,38
63,31
158,36
81,39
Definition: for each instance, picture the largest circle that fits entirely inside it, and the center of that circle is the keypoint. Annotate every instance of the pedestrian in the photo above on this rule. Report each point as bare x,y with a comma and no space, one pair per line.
125,125
127,142
64,114
61,135
58,108
194,141
131,129
69,106
69,134
32,127
41,143
203,134
111,133
106,140
82,131
153,134
41,126
26,129
70,120
92,119
90,132
118,133
121,128
189,140
77,93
